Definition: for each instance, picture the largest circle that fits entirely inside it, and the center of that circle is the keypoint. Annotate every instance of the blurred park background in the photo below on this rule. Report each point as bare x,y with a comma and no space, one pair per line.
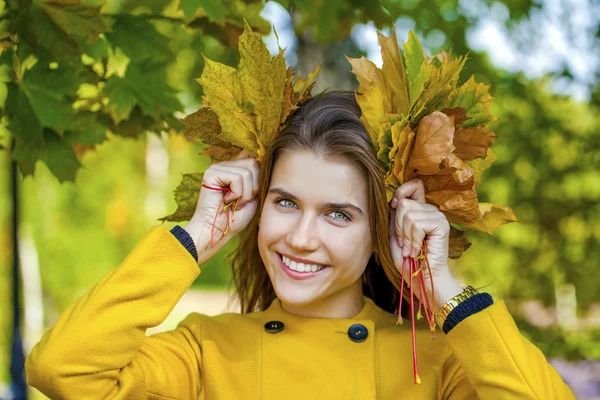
92,92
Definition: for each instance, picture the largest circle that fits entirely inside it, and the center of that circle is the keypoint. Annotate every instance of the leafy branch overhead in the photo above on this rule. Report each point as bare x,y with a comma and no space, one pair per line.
73,73
244,107
425,125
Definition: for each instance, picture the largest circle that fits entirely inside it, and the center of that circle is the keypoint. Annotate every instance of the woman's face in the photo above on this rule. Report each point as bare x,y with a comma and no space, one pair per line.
314,236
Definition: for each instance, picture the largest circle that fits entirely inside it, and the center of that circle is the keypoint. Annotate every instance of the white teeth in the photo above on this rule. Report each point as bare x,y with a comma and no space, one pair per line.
300,267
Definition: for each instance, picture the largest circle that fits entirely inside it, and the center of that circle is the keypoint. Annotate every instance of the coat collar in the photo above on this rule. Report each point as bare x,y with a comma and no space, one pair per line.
369,312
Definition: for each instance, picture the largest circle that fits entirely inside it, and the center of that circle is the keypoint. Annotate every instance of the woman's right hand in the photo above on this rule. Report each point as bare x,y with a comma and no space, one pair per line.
239,175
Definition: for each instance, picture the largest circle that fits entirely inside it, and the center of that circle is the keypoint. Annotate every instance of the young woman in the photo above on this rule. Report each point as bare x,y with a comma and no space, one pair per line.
317,238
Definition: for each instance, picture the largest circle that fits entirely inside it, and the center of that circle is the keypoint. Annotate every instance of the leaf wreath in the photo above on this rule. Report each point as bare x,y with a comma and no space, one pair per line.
245,108
424,125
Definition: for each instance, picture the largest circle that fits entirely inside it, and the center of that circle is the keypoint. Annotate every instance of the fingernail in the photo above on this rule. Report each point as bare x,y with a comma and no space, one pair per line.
394,202
414,253
405,251
400,242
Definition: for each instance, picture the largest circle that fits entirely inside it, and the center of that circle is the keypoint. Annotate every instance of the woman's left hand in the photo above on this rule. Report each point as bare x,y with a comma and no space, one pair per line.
413,222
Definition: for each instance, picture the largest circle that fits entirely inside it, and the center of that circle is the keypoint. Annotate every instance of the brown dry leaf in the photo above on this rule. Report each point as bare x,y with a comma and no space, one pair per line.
394,73
472,143
221,153
456,200
459,243
289,103
186,196
203,125
493,216
459,114
460,170
433,144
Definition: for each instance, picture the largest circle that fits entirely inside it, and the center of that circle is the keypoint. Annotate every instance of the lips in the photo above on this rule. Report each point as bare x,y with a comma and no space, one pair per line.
296,275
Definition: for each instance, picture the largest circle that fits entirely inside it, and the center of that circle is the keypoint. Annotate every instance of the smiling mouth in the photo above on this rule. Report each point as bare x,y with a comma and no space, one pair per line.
300,268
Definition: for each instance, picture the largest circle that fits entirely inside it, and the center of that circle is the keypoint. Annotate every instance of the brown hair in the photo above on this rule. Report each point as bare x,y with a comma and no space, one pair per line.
330,126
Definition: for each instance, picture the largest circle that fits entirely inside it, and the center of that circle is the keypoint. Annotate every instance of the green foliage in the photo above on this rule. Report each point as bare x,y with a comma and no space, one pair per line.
77,72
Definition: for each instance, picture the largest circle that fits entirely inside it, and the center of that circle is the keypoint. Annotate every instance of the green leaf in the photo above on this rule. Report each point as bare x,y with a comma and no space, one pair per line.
139,39
143,84
52,26
414,57
74,17
60,157
186,196
121,99
46,91
26,129
35,28
476,99
89,130
98,49
215,10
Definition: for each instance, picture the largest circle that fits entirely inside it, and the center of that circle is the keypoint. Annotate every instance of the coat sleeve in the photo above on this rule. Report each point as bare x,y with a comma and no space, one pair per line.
492,360
98,348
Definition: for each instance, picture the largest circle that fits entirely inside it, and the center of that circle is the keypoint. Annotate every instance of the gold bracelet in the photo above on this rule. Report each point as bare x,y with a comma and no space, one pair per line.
442,314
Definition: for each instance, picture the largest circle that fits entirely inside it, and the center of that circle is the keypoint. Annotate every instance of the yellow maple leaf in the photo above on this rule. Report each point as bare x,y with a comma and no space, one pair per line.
248,100
492,217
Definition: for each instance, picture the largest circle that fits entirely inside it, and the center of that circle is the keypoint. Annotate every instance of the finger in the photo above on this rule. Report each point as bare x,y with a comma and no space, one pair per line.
413,189
404,205
413,224
243,193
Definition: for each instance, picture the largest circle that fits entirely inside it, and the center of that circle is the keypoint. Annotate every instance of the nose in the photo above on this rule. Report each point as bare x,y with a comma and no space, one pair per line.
304,236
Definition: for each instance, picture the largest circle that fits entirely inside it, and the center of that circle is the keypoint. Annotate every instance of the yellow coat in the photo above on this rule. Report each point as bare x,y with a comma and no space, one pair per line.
98,348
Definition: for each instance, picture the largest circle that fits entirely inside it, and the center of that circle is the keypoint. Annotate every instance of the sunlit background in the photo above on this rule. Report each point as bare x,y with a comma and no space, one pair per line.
542,59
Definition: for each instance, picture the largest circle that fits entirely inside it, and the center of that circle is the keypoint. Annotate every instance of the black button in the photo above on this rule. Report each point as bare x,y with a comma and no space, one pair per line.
274,326
358,333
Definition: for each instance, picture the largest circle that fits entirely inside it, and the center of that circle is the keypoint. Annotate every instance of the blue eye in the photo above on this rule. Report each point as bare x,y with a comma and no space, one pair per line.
285,203
340,216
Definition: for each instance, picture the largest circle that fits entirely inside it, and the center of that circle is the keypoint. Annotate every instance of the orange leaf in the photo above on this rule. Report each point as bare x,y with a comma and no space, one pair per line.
459,114
433,144
459,243
221,153
472,143
493,216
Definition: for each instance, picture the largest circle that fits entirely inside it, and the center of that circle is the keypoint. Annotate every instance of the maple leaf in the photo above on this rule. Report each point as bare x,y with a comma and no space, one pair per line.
452,197
472,143
459,114
476,100
458,243
492,217
252,101
438,83
433,144
415,58
481,164
52,25
303,87
394,73
371,95
186,196
403,139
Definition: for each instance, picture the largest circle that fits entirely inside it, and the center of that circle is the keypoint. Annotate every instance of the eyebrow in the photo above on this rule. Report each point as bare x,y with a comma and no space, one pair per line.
351,206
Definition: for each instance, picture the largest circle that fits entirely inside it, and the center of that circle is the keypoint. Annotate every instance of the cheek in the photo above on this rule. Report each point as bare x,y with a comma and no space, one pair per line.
351,248
273,225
